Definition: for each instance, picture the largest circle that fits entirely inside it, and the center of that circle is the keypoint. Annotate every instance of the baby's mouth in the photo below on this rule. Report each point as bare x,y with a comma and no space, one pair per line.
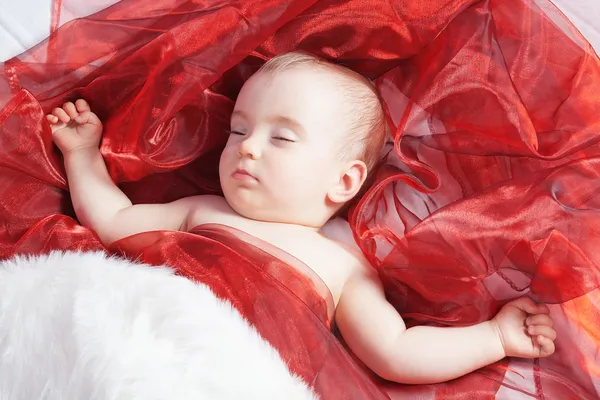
243,175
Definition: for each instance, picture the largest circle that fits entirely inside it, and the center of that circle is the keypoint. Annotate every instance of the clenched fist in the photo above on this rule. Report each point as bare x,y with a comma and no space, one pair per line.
525,329
75,127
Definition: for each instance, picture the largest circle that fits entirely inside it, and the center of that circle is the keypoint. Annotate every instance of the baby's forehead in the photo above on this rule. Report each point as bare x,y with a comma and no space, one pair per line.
322,81
322,93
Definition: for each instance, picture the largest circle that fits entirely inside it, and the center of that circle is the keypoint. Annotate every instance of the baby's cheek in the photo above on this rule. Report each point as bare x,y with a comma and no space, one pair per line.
223,162
227,154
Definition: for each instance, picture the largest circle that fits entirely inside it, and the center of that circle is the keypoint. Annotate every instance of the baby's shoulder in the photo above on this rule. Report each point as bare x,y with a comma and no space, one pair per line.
212,205
345,256
203,209
200,202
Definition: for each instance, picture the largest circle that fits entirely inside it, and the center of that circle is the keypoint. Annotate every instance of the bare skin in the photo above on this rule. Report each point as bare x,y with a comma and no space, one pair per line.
274,141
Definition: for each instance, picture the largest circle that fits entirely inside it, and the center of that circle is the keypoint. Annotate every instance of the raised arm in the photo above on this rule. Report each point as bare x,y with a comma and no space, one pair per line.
377,334
98,202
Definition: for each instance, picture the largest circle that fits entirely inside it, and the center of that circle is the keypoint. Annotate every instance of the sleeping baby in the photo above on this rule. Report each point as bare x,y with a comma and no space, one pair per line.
305,136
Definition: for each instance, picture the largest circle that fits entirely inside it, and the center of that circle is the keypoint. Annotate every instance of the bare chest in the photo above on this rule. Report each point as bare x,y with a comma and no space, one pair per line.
316,252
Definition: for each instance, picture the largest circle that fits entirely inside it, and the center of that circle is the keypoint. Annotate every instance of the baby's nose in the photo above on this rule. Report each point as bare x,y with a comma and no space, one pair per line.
250,147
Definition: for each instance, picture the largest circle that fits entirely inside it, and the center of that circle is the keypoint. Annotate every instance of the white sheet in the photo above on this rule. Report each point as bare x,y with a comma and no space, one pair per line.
23,23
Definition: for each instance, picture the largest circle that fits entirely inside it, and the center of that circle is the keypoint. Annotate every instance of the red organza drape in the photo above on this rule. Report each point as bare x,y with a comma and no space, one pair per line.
289,308
492,190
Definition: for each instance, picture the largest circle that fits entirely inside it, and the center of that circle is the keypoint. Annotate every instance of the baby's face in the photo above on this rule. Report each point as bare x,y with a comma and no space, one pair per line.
282,158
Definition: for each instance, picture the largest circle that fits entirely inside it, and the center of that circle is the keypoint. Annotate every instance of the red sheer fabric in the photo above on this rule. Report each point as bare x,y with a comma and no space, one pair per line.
491,190
287,307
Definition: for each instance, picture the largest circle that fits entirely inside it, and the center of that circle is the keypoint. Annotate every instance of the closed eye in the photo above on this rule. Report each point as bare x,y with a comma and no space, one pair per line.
234,132
284,139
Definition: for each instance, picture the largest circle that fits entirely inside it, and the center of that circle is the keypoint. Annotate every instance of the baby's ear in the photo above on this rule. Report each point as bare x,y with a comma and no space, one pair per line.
351,180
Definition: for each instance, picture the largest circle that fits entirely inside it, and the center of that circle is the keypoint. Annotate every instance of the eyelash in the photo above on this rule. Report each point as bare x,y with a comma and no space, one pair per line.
234,132
242,134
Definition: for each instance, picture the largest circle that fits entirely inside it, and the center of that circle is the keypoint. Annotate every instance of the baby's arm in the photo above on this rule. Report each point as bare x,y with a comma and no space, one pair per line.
378,336
103,207
98,202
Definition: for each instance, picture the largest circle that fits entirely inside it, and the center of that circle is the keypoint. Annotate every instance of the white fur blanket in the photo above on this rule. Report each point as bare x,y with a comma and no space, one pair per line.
85,326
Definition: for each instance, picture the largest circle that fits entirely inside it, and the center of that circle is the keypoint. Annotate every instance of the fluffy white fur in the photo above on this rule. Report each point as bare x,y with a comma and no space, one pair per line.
84,326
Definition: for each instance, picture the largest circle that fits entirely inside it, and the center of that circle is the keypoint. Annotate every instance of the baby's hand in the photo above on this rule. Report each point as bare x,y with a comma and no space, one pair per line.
75,127
525,329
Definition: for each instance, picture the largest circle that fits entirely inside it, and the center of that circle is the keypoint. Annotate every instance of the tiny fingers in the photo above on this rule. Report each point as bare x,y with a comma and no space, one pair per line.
61,115
547,346
82,105
53,119
539,319
544,330
87,117
70,110
543,309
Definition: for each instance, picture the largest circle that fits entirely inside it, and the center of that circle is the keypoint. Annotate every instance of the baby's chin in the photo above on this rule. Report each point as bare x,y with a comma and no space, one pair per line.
244,207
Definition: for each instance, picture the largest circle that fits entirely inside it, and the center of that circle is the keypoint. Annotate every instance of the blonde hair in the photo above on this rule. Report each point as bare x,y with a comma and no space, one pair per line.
367,134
